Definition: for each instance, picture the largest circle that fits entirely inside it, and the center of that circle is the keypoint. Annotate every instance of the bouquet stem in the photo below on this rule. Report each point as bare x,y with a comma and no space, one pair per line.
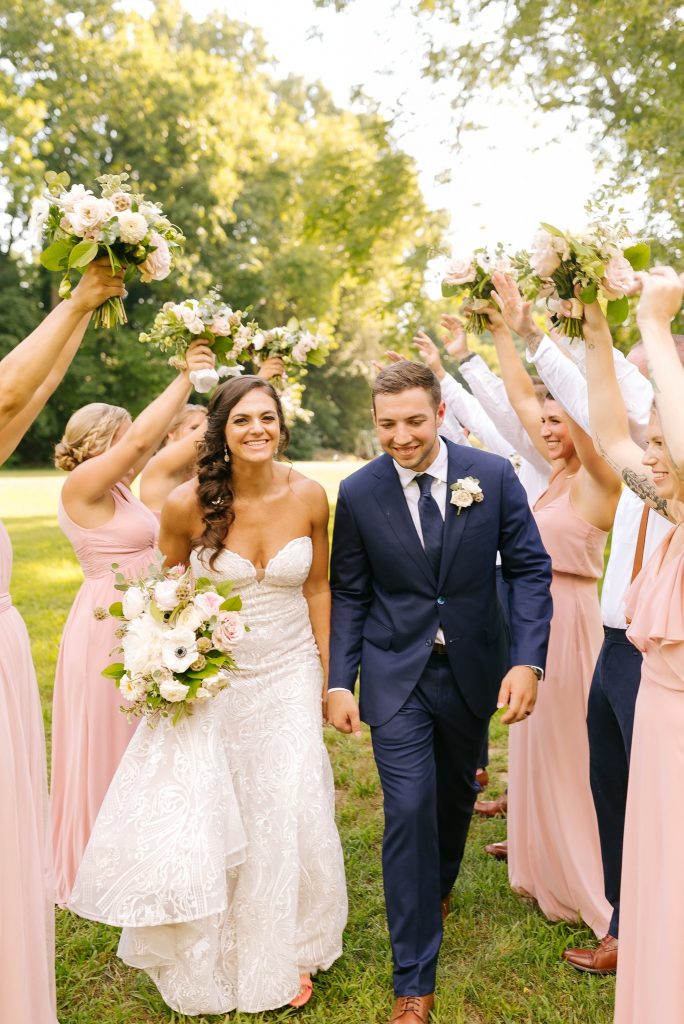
477,323
111,313
571,326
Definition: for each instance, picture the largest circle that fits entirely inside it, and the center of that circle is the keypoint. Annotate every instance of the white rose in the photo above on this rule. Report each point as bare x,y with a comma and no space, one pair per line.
190,618
299,352
221,326
132,227
157,266
179,648
90,213
203,695
142,645
229,631
214,684
204,380
259,341
134,602
73,196
461,498
469,483
459,272
208,604
544,257
173,690
166,594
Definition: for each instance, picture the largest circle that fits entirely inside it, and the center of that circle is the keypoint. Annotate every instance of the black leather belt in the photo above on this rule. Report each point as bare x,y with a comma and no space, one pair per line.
439,648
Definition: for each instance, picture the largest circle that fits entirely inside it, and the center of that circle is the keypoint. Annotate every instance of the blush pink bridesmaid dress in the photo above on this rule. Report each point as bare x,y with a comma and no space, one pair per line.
27,950
650,978
89,732
553,842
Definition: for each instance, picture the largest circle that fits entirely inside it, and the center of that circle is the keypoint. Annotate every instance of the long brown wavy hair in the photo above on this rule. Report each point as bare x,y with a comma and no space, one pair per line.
215,491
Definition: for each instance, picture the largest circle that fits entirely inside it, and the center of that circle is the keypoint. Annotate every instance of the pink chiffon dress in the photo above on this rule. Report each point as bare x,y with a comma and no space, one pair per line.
89,732
650,978
27,949
554,854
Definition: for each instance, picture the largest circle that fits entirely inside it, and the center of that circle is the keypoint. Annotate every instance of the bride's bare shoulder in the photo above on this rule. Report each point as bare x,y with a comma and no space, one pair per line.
303,486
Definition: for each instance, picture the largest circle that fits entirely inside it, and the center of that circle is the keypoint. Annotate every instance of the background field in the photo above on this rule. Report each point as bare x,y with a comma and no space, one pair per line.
500,960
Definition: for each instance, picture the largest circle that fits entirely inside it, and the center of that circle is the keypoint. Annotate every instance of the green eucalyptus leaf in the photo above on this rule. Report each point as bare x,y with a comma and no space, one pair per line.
639,255
617,311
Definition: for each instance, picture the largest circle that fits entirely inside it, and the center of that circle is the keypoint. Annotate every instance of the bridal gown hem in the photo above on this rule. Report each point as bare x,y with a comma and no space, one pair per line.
228,876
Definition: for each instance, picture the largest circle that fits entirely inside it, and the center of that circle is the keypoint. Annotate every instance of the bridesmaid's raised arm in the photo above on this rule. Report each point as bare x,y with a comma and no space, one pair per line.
181,521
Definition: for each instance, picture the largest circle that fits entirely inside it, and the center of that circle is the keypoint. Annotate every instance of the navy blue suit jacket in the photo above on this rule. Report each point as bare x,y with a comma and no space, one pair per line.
387,604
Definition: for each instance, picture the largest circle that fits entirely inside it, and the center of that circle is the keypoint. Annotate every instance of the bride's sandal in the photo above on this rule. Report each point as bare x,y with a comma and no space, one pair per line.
305,992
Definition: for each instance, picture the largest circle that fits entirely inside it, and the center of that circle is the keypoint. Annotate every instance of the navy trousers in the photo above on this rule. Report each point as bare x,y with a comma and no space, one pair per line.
426,755
610,720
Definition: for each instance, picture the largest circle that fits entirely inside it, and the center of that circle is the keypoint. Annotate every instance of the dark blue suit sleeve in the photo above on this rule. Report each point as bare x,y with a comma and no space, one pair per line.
350,583
526,567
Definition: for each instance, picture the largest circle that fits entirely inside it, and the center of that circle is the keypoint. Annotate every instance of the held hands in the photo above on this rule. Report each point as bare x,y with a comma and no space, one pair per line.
515,312
519,692
199,356
272,366
343,712
662,290
96,286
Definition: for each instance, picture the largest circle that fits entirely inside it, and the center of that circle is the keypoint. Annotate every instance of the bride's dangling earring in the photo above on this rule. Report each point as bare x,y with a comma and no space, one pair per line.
226,453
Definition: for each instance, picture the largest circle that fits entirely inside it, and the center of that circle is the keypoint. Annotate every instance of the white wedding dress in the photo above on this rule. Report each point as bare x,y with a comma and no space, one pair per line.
216,848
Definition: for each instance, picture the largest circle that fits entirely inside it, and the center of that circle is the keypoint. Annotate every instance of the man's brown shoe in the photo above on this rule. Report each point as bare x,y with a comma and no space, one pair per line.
445,905
412,1009
482,778
602,960
493,808
498,850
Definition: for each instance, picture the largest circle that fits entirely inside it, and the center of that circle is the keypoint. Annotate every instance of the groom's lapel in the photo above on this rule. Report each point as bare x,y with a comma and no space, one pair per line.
460,464
390,496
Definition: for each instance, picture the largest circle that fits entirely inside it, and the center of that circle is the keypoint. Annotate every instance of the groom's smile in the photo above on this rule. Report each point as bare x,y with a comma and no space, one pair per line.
407,425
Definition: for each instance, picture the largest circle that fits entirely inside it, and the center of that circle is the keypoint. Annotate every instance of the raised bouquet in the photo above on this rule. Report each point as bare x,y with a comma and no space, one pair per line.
177,638
600,262
471,280
121,224
179,323
296,345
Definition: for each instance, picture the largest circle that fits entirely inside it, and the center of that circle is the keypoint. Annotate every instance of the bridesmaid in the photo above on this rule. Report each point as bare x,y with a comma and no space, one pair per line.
30,374
102,451
554,852
650,982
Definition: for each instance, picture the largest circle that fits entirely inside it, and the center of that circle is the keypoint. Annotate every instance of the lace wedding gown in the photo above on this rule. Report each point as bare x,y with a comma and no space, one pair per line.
216,847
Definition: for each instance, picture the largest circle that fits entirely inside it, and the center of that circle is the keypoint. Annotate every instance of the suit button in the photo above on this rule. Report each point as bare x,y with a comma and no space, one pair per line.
441,600
428,643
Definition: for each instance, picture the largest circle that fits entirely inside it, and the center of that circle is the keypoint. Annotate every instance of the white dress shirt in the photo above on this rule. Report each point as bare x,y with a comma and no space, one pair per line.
490,392
564,378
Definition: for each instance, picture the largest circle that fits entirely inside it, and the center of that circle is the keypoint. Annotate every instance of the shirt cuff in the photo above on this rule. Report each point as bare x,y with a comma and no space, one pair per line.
338,689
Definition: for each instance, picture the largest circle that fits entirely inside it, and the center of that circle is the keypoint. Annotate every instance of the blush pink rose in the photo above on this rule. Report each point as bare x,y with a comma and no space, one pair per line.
459,272
544,258
157,266
619,278
208,604
229,632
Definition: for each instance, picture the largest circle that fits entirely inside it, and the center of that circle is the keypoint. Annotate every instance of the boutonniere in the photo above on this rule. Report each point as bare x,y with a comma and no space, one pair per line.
465,491
515,461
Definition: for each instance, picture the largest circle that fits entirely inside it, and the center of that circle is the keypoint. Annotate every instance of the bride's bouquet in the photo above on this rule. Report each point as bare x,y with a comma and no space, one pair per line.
177,638
179,323
296,345
121,224
601,261
471,280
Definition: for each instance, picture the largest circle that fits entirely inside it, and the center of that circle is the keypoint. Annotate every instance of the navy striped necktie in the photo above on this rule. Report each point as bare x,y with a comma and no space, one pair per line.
431,522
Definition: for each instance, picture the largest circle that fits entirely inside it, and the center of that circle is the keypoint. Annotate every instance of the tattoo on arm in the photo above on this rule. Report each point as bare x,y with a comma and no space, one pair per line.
636,482
533,340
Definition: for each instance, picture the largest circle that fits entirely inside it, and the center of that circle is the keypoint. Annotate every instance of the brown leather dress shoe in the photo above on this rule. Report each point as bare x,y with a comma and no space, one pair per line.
482,778
493,808
602,960
445,905
498,850
412,1009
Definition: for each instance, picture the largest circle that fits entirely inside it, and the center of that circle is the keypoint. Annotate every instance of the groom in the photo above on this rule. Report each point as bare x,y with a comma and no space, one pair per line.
415,606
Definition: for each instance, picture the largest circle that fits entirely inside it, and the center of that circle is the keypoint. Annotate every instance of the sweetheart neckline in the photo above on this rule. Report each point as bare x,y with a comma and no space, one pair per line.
249,562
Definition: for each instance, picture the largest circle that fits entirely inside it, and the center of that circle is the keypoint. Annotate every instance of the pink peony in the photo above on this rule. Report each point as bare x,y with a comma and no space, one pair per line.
459,272
619,278
157,266
229,632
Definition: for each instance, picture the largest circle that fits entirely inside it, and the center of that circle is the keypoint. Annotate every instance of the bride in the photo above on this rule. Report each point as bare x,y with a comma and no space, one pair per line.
216,847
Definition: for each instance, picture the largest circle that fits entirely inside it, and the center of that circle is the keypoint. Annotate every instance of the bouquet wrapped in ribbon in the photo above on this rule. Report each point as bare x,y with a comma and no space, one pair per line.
179,323
599,263
295,344
471,280
121,224
178,636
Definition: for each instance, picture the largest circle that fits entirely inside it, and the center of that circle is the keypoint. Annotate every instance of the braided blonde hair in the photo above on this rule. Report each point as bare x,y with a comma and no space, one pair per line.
90,431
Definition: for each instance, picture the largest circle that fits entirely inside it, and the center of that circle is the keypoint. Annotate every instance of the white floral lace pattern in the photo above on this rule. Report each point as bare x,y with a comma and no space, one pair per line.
216,847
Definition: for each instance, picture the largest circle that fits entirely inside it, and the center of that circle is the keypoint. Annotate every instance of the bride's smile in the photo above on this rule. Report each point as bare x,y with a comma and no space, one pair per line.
253,428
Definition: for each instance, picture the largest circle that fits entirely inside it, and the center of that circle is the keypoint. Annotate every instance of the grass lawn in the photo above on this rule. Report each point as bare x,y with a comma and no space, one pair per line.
500,961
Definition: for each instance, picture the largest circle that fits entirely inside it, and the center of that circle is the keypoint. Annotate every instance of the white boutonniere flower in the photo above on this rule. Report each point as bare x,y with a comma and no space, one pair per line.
465,491
515,461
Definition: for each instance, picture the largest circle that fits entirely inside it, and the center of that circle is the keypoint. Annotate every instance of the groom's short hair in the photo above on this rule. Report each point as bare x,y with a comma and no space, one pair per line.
404,376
